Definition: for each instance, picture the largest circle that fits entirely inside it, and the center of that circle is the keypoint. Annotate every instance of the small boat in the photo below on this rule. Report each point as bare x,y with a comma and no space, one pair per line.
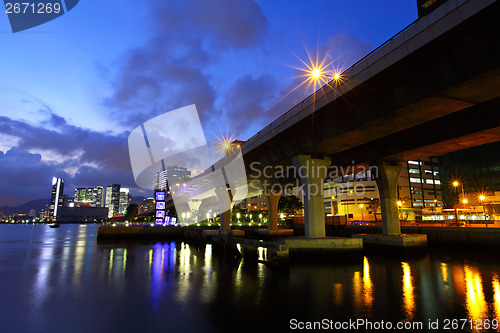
54,225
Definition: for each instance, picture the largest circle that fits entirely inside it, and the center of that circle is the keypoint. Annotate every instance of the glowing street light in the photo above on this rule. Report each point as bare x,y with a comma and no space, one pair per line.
464,200
400,205
482,197
361,206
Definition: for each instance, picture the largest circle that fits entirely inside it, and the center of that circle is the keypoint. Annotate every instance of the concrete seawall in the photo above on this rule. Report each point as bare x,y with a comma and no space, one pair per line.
435,235
139,232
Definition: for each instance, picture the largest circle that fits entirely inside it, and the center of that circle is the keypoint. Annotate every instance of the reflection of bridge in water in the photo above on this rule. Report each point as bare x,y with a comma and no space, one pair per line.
431,89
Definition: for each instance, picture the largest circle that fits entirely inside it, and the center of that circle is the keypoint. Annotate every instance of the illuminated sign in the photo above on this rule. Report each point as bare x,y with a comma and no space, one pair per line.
161,217
160,196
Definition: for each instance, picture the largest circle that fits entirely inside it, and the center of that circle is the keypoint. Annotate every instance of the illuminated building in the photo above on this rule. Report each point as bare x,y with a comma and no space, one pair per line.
56,200
124,200
426,6
113,199
356,196
172,178
92,196
477,168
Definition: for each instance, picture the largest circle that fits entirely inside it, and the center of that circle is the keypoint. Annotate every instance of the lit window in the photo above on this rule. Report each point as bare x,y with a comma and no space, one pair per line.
415,180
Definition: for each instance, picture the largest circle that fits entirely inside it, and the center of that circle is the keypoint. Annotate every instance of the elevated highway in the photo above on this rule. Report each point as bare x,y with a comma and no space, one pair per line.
431,89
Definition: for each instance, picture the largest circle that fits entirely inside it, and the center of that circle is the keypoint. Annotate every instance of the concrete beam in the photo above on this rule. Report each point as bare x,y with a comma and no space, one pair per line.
387,182
312,173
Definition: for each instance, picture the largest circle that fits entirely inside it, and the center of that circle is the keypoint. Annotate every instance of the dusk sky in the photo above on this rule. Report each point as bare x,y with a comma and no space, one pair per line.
72,89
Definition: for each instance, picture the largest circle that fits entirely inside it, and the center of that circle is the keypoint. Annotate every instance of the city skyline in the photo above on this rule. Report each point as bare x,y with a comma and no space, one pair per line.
74,123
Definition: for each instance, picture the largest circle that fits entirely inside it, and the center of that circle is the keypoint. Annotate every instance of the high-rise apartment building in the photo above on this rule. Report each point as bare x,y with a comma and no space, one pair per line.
113,199
124,200
172,178
92,196
56,200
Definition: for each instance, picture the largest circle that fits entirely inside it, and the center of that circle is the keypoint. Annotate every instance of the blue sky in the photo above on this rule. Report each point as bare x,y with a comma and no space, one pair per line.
71,90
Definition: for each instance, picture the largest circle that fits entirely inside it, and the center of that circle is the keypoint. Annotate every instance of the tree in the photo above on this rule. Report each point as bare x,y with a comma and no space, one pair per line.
289,204
373,207
131,211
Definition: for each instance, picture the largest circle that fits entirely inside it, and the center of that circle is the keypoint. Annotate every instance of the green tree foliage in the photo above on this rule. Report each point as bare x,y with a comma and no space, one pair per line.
373,206
289,204
131,211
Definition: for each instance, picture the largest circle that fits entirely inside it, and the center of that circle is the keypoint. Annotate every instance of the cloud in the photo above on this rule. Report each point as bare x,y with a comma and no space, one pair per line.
344,50
247,100
84,158
171,69
260,100
24,177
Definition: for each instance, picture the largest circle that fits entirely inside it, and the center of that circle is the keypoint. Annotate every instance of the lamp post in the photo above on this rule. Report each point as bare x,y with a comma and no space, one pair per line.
400,206
361,206
465,201
456,184
482,197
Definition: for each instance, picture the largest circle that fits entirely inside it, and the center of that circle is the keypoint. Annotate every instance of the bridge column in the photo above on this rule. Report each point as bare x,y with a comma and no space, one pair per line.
387,182
225,201
272,199
194,206
312,173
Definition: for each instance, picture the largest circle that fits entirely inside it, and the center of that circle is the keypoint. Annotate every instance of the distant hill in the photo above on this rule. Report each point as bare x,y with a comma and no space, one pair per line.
137,200
40,204
37,205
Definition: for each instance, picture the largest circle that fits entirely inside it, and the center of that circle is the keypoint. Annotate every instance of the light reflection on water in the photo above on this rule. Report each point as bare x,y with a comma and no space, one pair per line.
63,280
496,295
408,292
477,307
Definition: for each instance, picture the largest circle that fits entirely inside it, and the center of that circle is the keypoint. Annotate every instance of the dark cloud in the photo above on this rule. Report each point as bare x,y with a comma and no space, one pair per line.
24,177
221,23
83,157
247,102
170,70
173,68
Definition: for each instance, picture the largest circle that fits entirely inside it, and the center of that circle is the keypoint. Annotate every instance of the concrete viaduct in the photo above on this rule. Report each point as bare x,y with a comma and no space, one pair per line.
431,89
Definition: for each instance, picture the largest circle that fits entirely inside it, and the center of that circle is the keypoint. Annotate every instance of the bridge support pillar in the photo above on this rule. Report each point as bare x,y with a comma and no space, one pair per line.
387,182
272,199
312,173
225,204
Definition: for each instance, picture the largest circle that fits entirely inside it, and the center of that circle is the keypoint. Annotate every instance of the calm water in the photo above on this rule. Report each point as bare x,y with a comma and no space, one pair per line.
63,280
